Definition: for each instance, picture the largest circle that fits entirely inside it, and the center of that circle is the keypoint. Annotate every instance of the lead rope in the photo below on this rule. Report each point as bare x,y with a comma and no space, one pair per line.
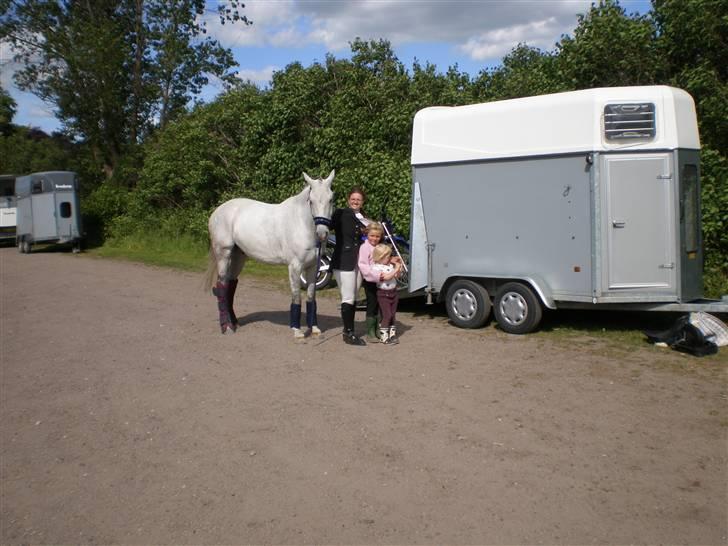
318,265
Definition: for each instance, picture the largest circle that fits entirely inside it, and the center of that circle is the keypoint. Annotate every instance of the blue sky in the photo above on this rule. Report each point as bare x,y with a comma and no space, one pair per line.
474,34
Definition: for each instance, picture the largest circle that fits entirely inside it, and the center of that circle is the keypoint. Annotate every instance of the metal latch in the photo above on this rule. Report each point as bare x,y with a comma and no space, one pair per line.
671,265
664,177
618,223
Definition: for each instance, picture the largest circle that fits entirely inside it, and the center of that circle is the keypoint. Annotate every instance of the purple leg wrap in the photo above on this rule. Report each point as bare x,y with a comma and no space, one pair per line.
311,318
221,291
295,315
230,299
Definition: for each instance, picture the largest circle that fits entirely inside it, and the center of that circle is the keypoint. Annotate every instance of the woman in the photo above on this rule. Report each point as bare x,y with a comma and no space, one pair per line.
348,223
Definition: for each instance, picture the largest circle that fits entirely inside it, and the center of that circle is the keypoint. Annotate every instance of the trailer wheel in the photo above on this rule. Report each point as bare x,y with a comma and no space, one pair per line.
325,274
517,309
468,304
25,246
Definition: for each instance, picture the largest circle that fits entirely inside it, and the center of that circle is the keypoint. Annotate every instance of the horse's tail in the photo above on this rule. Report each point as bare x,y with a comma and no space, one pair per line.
211,273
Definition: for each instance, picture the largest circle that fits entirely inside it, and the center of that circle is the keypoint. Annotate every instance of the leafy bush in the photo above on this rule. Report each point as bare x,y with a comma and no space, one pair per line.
714,201
100,209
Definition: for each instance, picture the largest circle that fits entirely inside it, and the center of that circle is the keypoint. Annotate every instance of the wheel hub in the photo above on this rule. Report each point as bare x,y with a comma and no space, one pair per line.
513,308
464,304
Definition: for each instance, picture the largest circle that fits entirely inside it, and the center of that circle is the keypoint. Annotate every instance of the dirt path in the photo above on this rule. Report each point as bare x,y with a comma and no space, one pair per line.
127,418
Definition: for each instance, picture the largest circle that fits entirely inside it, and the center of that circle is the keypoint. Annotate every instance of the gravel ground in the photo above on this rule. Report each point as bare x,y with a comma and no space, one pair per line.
127,418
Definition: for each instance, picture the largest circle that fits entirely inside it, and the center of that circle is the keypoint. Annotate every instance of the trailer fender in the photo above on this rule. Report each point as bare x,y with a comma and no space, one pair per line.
542,290
492,282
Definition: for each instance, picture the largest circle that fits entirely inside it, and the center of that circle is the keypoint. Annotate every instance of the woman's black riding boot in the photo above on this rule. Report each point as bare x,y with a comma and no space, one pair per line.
347,316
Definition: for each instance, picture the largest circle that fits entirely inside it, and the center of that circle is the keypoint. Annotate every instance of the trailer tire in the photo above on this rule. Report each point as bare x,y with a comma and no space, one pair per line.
517,309
468,304
325,274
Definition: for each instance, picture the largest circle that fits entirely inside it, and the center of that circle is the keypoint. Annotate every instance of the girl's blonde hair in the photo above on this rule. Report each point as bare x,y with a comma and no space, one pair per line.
375,227
381,252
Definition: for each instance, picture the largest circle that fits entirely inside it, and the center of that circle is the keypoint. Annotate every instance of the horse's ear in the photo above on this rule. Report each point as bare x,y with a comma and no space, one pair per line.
308,179
330,178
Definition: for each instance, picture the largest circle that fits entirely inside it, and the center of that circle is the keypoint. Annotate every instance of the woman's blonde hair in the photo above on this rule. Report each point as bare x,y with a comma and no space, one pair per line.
375,227
381,251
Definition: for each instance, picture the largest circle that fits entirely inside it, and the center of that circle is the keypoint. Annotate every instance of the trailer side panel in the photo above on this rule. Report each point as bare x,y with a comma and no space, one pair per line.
499,218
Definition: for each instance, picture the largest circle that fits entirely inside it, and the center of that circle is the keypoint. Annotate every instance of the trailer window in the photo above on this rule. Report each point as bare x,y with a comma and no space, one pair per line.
65,209
690,207
37,186
629,121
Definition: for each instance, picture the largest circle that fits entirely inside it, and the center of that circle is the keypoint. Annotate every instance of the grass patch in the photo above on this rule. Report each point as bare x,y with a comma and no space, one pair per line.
620,331
624,328
182,252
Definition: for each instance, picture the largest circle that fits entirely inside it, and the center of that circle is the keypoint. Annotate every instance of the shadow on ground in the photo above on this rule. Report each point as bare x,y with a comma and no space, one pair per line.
329,324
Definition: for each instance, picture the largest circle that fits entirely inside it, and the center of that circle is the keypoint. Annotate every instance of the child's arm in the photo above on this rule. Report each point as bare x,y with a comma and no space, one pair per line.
365,263
389,276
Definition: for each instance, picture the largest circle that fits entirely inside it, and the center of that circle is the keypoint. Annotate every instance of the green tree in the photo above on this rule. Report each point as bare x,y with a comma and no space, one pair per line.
26,150
609,48
352,115
693,43
112,67
8,107
524,72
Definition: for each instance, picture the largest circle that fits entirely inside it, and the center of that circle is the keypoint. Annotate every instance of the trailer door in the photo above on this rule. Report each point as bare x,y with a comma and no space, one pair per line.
639,222
65,215
44,216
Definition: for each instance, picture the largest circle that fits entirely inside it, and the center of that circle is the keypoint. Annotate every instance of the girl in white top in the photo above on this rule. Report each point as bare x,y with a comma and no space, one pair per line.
387,295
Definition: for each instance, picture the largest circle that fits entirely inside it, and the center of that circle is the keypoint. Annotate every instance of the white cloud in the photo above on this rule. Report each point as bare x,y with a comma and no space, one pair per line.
8,66
478,28
262,76
273,21
497,43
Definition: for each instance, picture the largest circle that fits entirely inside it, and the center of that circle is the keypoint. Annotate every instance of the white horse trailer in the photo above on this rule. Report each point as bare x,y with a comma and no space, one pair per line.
585,199
48,210
8,212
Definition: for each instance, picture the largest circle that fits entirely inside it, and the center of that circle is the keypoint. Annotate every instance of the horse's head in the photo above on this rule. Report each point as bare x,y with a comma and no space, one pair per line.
321,199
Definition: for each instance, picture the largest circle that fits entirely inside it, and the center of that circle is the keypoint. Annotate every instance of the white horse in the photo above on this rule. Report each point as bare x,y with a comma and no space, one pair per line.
285,233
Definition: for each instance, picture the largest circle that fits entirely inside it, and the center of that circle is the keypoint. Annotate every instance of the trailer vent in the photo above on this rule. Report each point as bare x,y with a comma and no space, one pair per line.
627,121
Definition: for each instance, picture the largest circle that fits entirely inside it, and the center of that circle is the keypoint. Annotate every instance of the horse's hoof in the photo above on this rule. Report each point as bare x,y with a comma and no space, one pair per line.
228,329
298,333
315,331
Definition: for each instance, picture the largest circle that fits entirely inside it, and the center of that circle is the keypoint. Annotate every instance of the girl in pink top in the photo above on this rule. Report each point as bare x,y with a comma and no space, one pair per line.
370,277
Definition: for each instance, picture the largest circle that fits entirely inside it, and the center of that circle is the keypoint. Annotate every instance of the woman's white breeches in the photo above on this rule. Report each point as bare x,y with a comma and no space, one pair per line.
349,283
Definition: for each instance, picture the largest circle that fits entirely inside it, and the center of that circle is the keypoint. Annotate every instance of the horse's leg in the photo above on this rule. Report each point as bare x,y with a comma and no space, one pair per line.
223,258
294,277
237,261
311,312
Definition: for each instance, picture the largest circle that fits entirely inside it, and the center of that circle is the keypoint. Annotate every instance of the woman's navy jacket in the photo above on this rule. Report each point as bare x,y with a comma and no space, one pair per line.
348,238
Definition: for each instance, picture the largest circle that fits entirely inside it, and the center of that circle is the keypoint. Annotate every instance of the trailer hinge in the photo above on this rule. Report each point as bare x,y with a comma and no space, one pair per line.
429,290
671,265
664,177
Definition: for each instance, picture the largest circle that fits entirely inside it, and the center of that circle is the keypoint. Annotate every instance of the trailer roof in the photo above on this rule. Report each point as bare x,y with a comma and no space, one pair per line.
550,124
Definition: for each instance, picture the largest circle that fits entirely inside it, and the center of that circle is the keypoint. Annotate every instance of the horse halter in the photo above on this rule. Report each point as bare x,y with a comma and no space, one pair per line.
322,221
